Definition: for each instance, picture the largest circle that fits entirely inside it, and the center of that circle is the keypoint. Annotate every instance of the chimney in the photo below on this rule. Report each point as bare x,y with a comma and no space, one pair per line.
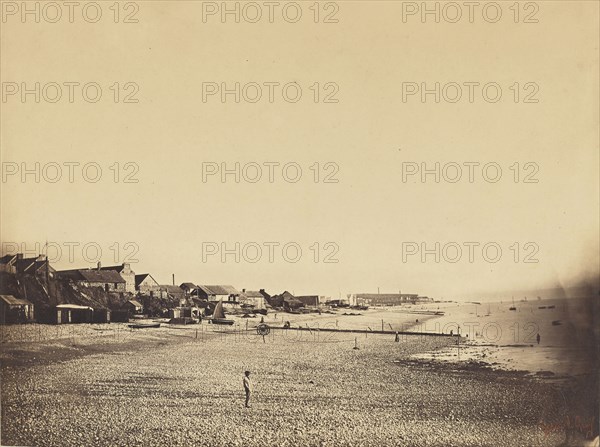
99,265
173,278
243,290
19,255
41,258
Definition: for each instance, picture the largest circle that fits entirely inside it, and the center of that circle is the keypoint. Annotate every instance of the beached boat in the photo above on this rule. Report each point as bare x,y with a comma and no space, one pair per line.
219,315
556,323
144,326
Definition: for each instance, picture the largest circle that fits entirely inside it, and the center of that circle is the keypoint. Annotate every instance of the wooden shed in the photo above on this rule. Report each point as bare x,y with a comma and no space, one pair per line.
74,313
15,310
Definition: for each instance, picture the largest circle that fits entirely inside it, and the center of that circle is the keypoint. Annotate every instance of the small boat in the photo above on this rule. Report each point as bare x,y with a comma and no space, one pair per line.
556,323
144,326
219,315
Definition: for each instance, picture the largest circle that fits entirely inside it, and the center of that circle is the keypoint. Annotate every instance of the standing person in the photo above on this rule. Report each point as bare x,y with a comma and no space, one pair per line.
397,337
247,387
538,338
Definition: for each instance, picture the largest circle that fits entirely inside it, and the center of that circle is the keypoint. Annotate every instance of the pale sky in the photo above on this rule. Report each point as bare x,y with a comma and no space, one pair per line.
367,136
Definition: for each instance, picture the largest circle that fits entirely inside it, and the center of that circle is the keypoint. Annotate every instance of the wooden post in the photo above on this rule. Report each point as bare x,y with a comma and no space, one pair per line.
458,343
382,325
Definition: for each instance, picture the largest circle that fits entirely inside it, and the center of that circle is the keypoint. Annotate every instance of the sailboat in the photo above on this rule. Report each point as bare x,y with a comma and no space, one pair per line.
513,306
219,315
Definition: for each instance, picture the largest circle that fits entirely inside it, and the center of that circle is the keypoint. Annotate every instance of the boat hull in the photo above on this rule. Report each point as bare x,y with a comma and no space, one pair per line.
222,321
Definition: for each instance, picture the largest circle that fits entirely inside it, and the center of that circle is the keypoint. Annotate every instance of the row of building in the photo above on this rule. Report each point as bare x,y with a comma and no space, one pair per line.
386,299
121,279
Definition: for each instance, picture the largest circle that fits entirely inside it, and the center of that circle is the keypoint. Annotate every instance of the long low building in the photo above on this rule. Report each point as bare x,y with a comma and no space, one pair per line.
385,299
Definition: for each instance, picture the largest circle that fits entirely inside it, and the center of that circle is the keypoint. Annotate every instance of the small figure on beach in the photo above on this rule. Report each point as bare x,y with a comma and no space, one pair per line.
538,338
262,319
397,337
247,387
451,331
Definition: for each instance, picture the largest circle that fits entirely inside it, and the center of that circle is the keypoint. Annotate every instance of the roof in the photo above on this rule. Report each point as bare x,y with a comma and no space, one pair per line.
142,277
223,290
12,301
286,295
89,275
171,289
252,294
385,295
135,303
26,265
8,259
73,306
116,268
188,285
204,290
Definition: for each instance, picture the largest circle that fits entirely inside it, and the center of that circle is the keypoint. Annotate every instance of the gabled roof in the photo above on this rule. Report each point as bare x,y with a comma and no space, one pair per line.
287,295
171,289
8,259
188,285
252,294
33,266
135,303
12,301
89,275
26,265
204,289
116,268
223,290
140,278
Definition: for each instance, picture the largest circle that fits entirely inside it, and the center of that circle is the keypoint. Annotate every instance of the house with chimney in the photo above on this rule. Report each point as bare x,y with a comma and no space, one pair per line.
216,293
108,280
253,298
126,273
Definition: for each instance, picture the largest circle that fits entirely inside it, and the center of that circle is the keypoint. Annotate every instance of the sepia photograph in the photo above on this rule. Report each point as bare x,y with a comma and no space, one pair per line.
299,223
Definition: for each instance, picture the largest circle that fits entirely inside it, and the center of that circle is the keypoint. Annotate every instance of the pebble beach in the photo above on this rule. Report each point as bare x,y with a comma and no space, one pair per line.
107,385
